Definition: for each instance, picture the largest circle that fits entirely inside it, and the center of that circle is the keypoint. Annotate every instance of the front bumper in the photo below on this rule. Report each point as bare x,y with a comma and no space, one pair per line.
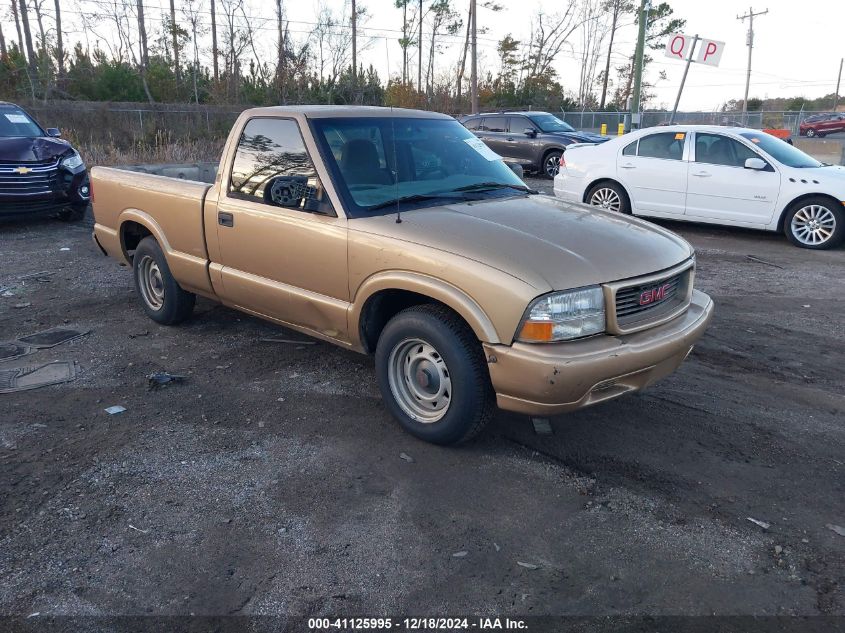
70,188
551,379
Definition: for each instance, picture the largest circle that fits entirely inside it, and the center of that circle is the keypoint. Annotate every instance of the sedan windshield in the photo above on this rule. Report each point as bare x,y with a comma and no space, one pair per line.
550,123
16,122
381,163
780,150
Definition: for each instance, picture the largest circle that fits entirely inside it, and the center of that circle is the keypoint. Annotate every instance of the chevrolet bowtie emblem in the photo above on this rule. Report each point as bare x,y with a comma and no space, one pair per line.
23,170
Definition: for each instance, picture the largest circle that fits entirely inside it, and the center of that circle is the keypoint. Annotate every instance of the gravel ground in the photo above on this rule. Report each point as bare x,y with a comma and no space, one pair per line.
271,480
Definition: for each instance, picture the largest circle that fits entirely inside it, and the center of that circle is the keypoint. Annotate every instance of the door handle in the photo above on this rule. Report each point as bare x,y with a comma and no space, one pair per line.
702,174
510,138
225,219
627,166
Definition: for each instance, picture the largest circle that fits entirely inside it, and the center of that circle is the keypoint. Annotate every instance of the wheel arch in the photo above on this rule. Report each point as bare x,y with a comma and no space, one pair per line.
613,181
801,198
134,226
384,295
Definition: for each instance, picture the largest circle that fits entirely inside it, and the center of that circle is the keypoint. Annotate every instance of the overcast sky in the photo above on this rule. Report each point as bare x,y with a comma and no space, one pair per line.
797,49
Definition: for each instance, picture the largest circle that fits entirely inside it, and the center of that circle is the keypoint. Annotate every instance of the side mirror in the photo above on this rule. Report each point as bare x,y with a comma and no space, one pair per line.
54,132
757,164
530,132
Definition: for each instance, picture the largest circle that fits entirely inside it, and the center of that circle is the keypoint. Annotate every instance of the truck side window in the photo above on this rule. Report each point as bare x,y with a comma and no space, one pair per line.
272,166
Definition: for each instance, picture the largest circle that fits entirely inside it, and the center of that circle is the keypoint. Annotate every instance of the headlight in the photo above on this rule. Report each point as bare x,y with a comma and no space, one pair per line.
73,161
562,316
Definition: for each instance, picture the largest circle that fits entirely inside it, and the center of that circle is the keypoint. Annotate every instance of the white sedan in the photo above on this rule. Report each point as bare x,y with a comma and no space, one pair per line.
731,176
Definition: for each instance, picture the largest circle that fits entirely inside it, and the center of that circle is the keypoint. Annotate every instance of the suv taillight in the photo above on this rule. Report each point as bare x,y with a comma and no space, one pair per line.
562,161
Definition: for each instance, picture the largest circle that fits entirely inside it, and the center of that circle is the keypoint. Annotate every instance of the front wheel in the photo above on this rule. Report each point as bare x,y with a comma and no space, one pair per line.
432,375
162,298
609,196
815,223
811,133
551,164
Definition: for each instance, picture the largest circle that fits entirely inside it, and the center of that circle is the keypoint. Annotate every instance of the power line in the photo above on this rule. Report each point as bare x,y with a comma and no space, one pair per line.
750,42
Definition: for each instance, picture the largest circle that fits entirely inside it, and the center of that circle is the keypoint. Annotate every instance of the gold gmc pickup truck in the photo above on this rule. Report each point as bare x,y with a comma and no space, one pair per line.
398,233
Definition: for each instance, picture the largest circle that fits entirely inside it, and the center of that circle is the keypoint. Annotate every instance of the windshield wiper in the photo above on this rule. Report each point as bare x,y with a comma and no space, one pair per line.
417,197
489,186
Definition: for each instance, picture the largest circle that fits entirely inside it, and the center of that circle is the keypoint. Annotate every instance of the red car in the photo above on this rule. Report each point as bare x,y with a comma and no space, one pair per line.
822,124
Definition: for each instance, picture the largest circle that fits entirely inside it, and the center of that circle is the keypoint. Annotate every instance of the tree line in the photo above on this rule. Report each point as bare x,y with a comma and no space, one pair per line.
216,52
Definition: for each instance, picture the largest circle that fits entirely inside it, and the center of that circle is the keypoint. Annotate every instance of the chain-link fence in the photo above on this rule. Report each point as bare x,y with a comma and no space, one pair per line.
586,120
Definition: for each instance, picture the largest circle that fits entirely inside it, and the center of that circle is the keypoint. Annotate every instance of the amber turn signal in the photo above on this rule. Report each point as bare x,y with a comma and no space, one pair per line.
539,331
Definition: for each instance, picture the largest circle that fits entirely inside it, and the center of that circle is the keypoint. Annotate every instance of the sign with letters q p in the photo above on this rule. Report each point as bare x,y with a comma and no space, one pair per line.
678,46
709,52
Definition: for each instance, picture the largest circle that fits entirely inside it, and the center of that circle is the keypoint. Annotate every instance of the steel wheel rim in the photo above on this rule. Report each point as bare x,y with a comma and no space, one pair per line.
607,199
419,380
813,225
552,165
151,283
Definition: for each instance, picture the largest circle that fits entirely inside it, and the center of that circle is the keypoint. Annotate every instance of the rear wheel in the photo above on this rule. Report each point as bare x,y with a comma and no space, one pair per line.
815,223
551,164
161,297
609,196
433,376
811,133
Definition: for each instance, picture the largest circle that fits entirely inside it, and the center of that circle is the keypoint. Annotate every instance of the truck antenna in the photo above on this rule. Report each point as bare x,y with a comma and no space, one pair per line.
395,164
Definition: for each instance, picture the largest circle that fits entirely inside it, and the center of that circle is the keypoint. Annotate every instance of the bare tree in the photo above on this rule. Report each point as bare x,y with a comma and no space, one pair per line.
38,7
174,31
280,46
549,35
215,53
462,64
3,52
617,9
60,51
444,19
594,28
145,53
333,44
18,25
192,10
30,52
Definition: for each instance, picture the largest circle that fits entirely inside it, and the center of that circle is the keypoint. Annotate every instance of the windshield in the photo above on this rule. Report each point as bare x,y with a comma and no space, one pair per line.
550,123
780,150
377,161
16,122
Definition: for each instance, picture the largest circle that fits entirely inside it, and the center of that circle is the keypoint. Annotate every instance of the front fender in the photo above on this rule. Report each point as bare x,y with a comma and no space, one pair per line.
428,286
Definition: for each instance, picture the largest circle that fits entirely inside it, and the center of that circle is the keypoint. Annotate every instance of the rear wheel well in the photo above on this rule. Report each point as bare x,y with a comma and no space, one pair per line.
131,234
558,150
598,181
836,204
383,306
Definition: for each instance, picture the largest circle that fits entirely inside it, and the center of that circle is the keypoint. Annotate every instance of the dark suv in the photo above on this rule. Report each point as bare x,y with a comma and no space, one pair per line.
534,140
38,170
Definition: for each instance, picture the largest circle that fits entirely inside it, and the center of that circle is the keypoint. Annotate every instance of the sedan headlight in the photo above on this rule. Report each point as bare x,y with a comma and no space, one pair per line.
73,161
562,316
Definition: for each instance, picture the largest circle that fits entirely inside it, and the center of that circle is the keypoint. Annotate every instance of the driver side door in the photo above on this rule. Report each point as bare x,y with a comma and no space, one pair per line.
282,246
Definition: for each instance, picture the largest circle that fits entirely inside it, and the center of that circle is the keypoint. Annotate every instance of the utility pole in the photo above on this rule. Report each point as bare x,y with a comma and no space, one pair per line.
645,5
838,81
474,63
419,52
750,43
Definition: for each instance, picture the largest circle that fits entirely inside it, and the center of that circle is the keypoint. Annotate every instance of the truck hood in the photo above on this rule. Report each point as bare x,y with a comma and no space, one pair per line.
545,242
22,149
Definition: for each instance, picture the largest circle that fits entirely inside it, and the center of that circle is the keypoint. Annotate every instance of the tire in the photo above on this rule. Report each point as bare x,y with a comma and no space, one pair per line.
161,297
821,135
816,223
429,351
609,196
811,133
551,164
73,213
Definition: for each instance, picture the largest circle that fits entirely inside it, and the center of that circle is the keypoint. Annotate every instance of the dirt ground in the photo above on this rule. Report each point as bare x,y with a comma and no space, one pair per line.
271,480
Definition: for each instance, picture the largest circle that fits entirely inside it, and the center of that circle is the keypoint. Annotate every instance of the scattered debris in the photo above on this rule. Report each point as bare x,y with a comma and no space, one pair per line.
496,546
33,615
113,411
542,426
778,550
161,378
836,528
64,248
762,261
531,566
12,350
7,293
132,527
22,305
286,341
139,334
460,554
25,378
806,305
406,457
762,524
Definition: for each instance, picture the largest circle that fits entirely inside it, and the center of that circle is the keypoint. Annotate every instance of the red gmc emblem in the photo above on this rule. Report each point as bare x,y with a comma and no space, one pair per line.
653,294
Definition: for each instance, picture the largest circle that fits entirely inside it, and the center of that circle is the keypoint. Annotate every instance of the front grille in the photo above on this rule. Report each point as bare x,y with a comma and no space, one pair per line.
41,179
650,301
